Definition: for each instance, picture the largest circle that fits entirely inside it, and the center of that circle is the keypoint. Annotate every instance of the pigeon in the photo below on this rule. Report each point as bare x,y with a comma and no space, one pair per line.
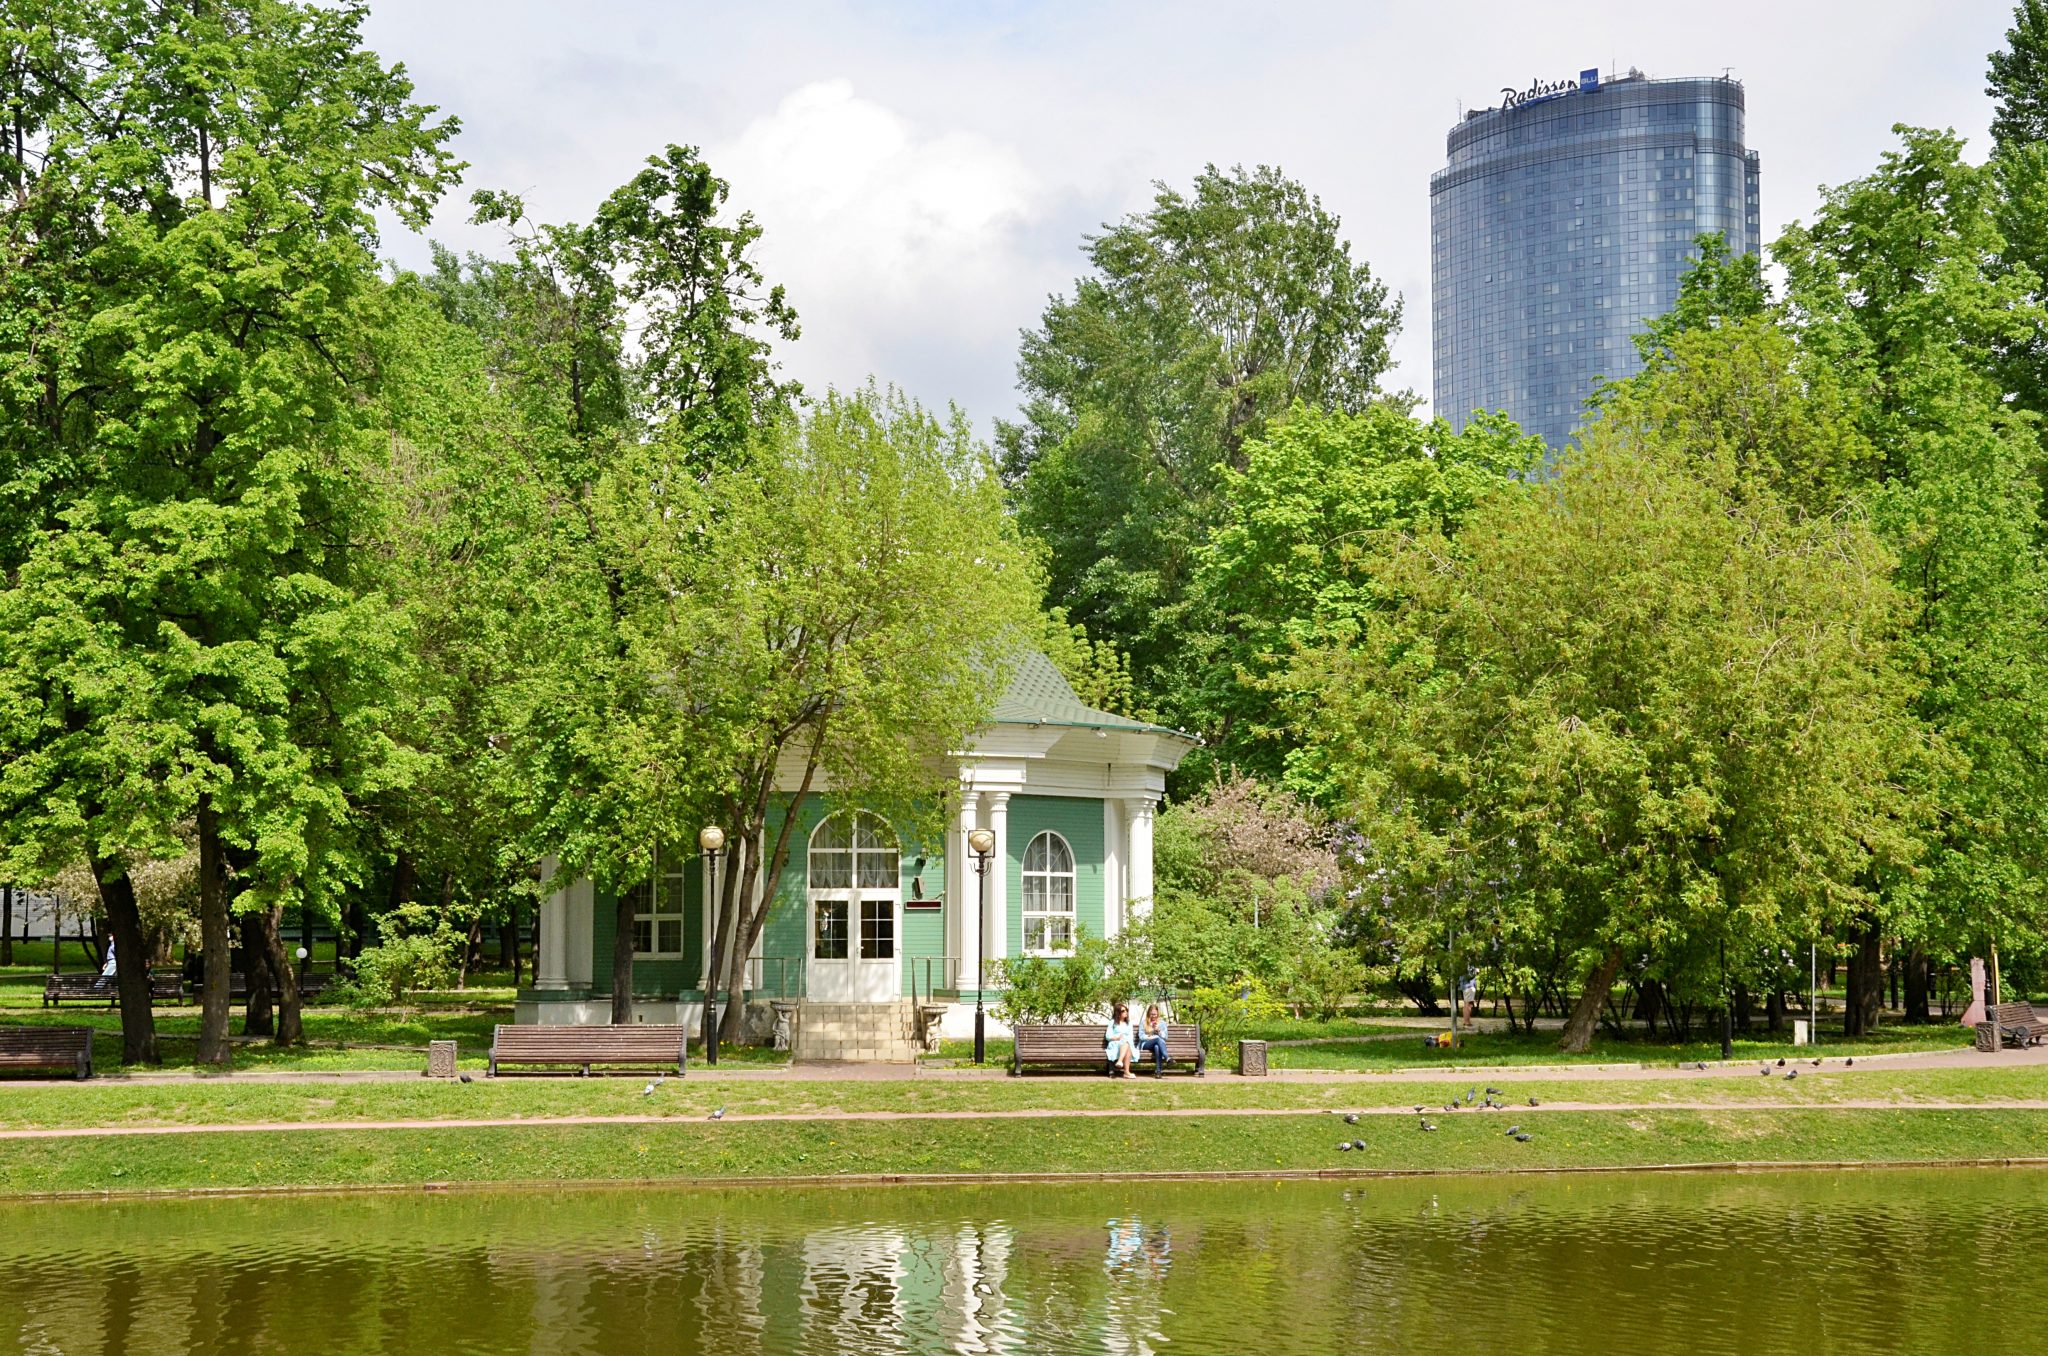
463,1077
1791,1073
1523,1138
1343,1146
1851,1060
1701,1066
1781,1063
718,1115
1450,1106
1765,1071
1419,1110
1514,1130
648,1091
1470,1094
1351,1119
1533,1102
1493,1092
1358,1144
1427,1126
1816,1064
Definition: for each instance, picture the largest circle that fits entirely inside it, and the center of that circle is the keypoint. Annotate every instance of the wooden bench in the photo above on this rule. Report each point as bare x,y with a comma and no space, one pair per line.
1080,1046
86,988
586,1047
66,1048
2011,1024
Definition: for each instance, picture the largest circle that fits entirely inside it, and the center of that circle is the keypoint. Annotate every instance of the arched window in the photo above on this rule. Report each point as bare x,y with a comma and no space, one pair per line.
853,857
1048,896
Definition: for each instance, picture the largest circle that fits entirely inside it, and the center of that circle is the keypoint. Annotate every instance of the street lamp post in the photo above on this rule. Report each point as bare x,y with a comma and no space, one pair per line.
982,844
711,838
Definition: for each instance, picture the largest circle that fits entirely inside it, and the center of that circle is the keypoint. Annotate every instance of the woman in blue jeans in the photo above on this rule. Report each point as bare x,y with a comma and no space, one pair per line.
1152,1039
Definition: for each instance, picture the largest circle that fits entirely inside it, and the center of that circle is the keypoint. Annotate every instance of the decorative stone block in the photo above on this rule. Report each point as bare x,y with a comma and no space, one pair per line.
1251,1059
440,1059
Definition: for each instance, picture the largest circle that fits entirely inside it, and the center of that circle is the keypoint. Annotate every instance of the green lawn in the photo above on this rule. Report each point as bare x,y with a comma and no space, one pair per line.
698,1151
28,1104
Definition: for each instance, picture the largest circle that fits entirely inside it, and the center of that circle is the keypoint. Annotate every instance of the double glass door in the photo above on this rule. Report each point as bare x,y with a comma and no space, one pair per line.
856,908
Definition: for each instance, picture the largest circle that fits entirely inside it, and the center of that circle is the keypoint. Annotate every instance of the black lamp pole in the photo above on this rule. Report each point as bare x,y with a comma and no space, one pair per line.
1727,1002
983,844
712,840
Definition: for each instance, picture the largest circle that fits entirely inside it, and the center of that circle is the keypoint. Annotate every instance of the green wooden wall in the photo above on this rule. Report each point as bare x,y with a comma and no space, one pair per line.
1075,819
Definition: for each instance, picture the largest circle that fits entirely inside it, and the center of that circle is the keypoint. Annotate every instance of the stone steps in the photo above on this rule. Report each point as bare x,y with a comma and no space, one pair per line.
866,1032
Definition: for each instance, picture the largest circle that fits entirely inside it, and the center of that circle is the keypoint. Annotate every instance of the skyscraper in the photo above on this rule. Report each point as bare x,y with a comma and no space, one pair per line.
1565,217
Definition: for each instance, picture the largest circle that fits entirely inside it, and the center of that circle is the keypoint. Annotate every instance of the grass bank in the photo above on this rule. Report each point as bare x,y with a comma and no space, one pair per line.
117,1104
702,1152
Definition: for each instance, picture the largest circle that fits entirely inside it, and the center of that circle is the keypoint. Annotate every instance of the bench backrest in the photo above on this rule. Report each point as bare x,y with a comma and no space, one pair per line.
1064,1041
65,1041
2012,1014
1072,1040
595,1043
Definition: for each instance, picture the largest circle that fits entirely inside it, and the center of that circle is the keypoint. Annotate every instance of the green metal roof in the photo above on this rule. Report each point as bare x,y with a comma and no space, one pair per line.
1039,694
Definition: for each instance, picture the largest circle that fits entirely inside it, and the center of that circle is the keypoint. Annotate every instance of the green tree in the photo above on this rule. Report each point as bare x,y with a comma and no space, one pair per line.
191,235
1630,713
1203,320
2018,78
1897,286
841,607
1285,566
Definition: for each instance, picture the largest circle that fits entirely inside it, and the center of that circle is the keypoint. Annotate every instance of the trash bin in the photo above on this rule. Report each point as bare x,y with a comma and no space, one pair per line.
1251,1059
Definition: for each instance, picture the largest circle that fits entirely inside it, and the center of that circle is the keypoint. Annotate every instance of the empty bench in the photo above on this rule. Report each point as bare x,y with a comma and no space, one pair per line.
1080,1046
63,1049
2011,1024
87,988
584,1048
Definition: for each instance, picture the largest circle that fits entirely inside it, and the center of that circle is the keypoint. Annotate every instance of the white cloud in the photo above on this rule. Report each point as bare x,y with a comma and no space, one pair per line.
889,236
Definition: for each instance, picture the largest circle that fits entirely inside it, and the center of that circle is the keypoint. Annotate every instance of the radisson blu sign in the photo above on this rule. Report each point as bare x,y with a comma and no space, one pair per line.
1539,90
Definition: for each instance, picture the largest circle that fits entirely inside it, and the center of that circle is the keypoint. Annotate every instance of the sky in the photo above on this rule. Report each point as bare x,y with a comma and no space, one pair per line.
925,173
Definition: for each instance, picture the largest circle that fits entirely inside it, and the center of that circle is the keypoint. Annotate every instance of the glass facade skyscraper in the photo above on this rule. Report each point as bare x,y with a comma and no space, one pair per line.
1564,219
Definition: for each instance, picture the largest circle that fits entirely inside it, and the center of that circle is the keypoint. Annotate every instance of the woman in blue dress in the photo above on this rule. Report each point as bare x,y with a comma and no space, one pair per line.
1118,1045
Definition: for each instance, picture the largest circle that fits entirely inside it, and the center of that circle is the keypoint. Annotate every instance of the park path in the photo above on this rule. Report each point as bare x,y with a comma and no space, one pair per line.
835,1072
1504,1114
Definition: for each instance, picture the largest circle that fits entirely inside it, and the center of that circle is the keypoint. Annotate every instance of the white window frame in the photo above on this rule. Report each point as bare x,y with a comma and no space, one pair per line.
665,884
1071,913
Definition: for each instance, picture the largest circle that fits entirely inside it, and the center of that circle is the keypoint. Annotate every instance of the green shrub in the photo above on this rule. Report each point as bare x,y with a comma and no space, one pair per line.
1053,988
1227,1012
392,971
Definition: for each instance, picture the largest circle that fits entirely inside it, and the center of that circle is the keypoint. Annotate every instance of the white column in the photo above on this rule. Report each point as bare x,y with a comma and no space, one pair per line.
965,892
1138,845
998,920
1112,868
554,933
581,933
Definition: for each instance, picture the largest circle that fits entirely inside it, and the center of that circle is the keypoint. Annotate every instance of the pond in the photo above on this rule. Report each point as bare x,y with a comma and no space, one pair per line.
1774,1262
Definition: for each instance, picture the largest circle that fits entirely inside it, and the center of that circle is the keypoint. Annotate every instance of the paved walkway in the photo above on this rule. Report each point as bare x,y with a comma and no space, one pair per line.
1964,1058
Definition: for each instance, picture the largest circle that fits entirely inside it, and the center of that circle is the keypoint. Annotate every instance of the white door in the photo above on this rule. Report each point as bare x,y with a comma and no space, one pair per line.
856,908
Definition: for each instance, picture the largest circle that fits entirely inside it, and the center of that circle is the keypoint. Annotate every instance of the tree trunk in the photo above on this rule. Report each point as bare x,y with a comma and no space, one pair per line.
1865,994
622,959
1916,986
1578,1028
257,1017
513,928
472,952
6,925
270,936
1774,1011
131,973
1742,1014
213,939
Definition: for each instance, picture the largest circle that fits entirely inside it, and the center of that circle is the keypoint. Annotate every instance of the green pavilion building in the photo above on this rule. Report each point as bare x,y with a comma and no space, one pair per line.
878,938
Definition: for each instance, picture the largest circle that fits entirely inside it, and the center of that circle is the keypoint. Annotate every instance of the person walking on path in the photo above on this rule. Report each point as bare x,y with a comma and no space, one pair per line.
107,968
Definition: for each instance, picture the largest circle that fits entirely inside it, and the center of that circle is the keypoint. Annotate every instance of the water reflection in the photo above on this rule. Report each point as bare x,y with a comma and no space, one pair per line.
1714,1263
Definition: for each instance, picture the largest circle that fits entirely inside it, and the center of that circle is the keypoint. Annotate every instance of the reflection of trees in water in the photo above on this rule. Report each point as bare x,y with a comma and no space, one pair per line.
1534,1265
